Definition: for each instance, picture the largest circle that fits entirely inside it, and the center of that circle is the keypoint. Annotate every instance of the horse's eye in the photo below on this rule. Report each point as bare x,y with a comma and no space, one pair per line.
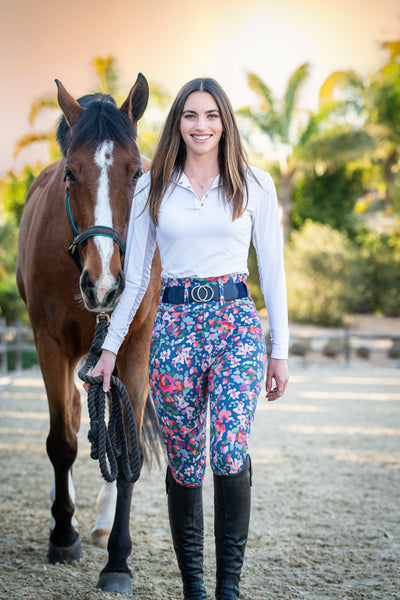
137,175
68,175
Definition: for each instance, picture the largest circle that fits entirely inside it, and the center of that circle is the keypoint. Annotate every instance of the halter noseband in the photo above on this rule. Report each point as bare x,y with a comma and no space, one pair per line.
87,233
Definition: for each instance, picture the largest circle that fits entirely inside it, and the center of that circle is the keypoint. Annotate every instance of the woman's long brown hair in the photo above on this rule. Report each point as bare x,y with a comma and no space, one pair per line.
170,155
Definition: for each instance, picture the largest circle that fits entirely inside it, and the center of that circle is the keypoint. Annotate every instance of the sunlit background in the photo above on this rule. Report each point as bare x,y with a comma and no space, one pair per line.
173,41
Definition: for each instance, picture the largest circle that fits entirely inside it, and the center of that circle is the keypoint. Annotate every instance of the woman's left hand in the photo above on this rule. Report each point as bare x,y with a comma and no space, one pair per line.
277,370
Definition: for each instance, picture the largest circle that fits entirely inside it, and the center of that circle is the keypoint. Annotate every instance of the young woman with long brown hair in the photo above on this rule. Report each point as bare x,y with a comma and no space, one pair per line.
201,203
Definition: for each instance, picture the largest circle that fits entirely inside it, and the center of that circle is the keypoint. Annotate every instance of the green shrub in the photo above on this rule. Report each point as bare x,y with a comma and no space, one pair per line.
29,360
328,198
381,257
325,278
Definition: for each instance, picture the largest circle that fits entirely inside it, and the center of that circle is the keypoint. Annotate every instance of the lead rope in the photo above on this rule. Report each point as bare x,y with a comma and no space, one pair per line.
110,443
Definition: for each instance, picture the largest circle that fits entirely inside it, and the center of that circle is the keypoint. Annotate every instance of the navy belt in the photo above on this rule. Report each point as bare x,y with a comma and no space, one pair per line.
204,292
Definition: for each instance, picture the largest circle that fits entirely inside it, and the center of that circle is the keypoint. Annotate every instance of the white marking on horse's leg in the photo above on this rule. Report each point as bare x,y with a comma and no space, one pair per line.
103,215
105,506
71,490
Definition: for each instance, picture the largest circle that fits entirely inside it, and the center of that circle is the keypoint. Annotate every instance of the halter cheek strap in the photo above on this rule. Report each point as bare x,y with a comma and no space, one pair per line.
87,233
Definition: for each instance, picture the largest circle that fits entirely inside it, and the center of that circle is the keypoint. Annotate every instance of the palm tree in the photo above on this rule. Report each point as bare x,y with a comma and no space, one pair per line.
376,101
277,119
309,142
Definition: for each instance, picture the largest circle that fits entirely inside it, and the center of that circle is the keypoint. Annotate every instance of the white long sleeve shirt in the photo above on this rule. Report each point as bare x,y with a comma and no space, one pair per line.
197,238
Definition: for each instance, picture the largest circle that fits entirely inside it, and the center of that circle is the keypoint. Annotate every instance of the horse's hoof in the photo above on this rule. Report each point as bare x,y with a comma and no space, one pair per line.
64,554
99,537
121,583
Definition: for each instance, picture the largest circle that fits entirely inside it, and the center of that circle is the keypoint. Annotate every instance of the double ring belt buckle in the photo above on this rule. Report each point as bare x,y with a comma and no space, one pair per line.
202,293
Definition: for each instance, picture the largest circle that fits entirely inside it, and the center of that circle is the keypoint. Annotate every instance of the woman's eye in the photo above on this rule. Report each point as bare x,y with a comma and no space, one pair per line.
137,175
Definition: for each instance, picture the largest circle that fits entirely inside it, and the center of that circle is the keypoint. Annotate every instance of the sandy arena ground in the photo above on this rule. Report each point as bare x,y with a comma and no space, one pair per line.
326,513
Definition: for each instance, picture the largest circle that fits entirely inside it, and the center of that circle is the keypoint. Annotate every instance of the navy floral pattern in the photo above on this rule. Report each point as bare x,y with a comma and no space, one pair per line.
211,353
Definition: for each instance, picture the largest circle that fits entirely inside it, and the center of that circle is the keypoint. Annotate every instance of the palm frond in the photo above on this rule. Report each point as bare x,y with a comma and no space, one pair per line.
259,87
336,146
392,47
338,80
48,101
331,113
293,90
245,111
33,138
268,123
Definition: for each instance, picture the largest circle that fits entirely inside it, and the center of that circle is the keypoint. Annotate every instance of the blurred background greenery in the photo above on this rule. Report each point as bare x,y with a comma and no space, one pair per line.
336,171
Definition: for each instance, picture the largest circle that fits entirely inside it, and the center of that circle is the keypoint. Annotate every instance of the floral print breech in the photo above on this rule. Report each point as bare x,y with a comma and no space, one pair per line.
206,354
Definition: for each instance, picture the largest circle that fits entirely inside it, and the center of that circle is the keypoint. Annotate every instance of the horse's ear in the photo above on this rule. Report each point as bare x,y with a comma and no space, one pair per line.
70,107
136,102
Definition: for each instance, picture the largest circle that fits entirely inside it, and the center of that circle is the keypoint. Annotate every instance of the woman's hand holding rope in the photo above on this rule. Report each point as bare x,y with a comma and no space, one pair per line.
104,367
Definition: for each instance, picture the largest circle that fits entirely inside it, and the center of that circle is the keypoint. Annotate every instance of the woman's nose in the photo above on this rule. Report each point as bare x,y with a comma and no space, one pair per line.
201,123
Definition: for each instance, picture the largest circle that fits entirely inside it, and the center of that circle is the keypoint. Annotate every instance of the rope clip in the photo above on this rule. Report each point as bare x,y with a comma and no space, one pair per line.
103,317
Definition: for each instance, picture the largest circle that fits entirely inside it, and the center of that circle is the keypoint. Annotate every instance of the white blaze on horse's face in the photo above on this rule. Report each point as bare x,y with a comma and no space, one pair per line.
103,216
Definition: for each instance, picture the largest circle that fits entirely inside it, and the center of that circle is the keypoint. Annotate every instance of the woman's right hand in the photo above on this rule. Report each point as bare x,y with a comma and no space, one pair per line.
105,367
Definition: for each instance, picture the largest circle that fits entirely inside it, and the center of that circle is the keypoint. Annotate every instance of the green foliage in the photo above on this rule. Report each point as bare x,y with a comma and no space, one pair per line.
13,190
381,258
384,93
107,74
11,305
328,198
152,122
29,360
325,280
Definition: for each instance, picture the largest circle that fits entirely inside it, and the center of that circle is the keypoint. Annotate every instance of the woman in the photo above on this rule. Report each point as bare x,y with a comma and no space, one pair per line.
201,203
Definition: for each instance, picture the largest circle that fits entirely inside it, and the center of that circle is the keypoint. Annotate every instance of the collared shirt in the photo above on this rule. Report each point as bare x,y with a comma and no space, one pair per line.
197,238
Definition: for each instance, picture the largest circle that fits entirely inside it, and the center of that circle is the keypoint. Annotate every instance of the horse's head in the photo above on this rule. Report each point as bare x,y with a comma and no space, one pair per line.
102,166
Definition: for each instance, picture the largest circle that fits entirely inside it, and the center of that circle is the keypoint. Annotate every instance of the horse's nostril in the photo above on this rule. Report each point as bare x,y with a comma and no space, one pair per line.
115,291
120,281
86,282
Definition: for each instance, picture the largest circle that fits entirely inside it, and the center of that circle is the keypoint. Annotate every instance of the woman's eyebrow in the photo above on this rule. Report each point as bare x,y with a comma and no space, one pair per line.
212,110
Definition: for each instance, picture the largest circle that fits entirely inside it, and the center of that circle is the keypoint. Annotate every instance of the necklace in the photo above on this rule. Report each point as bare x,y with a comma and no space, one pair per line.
205,184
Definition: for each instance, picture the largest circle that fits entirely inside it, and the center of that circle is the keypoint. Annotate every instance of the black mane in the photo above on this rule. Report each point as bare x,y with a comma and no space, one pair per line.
101,120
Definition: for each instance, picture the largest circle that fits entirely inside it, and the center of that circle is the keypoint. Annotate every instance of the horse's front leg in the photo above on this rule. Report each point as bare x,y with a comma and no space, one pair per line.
116,576
64,407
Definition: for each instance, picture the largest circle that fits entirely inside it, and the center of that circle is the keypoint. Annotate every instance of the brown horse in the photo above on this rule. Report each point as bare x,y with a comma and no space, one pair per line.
97,175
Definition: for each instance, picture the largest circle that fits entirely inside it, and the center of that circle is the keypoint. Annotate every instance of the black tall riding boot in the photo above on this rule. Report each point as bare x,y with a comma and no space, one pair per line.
231,526
185,509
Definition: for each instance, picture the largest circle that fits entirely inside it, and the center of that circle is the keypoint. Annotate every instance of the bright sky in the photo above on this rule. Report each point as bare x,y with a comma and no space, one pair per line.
172,41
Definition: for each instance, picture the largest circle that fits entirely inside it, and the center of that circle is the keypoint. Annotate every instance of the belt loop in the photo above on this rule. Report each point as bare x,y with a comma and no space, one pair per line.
186,285
221,291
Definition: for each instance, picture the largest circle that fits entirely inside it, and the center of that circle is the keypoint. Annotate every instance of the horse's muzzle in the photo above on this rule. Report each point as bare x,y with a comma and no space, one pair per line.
98,296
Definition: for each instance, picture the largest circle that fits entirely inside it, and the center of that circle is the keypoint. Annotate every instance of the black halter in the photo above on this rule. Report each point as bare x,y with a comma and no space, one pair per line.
87,233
